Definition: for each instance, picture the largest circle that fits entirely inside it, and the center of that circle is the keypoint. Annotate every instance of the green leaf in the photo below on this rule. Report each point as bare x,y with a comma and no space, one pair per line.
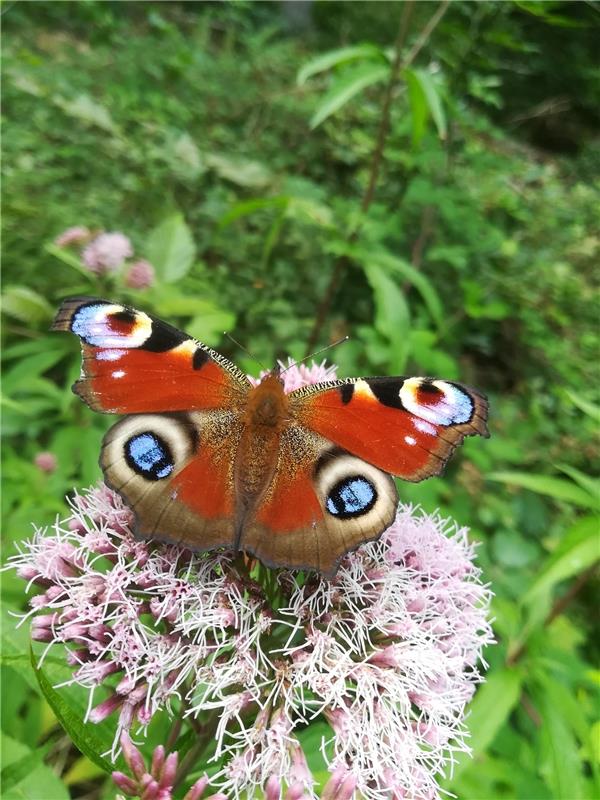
559,762
335,57
578,551
26,305
88,111
591,409
210,324
83,735
591,485
247,207
545,484
240,171
392,316
423,91
39,782
69,259
417,279
170,249
14,773
489,710
346,86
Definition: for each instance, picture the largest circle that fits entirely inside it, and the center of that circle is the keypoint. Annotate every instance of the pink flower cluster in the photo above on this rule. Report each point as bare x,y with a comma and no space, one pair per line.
157,782
387,652
105,253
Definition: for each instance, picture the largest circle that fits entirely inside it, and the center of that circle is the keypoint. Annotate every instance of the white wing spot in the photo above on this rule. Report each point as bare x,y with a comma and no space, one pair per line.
424,426
410,440
118,373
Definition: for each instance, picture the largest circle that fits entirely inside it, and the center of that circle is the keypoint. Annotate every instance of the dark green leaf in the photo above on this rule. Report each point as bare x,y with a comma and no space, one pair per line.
83,735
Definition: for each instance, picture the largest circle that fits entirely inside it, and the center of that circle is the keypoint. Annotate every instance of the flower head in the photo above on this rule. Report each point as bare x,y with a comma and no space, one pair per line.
140,275
107,252
46,461
386,652
75,235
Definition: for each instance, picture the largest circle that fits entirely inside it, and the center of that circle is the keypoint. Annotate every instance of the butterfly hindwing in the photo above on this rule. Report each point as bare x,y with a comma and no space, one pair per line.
175,472
322,503
135,363
408,427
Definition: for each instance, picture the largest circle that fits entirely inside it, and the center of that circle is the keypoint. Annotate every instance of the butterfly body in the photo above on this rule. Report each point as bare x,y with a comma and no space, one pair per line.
207,460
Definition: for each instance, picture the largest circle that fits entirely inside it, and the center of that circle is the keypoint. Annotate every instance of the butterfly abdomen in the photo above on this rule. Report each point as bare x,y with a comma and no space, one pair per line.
256,460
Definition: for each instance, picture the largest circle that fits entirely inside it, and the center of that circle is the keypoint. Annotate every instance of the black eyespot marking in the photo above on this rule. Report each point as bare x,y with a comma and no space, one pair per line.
200,358
351,497
163,337
387,391
149,456
346,392
125,316
429,388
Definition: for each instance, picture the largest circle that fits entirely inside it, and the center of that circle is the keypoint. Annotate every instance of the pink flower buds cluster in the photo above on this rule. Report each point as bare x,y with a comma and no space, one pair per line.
107,252
157,782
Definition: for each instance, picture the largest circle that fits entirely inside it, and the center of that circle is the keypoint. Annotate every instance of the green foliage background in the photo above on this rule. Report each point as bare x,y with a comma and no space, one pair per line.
234,144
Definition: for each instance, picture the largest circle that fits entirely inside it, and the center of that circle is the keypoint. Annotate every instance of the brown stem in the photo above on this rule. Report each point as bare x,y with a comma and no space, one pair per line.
397,65
531,710
558,607
384,122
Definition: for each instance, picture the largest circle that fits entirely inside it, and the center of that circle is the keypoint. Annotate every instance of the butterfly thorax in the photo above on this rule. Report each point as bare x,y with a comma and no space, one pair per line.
265,416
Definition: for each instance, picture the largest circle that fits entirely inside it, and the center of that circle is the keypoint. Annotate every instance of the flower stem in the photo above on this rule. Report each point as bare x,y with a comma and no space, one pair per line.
193,754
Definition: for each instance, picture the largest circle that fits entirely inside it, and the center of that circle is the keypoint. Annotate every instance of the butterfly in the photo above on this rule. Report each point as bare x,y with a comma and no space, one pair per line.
206,459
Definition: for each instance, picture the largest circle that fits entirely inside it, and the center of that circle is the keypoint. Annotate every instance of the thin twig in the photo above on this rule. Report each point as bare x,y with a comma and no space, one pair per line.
397,66
384,122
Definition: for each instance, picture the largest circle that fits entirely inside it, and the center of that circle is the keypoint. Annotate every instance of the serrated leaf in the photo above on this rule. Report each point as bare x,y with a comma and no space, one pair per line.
336,57
171,249
545,484
82,734
346,86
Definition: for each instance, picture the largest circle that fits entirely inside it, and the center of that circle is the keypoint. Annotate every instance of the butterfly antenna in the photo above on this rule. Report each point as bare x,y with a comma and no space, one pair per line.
245,349
316,353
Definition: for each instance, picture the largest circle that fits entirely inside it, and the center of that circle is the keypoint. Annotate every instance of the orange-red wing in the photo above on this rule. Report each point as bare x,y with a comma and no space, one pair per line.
134,363
408,427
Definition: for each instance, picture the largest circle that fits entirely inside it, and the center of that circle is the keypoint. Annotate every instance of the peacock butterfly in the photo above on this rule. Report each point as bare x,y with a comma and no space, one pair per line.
205,459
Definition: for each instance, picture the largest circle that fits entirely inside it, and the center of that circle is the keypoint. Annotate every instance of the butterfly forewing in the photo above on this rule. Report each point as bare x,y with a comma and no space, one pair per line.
133,362
408,427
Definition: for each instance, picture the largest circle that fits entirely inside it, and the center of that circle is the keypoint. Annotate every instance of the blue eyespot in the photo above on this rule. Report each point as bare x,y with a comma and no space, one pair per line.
351,497
149,456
